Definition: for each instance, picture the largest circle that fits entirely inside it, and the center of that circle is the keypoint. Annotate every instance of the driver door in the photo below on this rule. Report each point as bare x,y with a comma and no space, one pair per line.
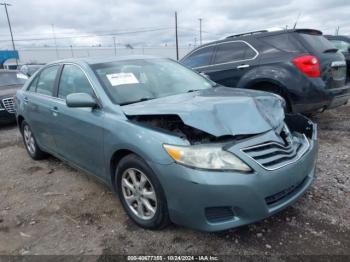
79,133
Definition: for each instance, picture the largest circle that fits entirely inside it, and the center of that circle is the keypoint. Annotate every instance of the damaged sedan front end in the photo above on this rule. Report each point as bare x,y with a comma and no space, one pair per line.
242,159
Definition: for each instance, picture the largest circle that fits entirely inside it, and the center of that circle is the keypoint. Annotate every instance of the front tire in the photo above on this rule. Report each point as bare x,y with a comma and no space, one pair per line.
141,194
30,143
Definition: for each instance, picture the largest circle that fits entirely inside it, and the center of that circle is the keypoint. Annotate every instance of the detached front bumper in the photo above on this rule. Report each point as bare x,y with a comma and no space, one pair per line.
213,201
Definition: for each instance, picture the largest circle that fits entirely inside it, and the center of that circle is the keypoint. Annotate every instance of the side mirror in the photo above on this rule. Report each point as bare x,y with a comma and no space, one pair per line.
80,100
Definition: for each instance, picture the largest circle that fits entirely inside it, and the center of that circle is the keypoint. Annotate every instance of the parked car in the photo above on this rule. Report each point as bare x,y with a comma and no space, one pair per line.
30,69
10,82
174,145
343,44
298,64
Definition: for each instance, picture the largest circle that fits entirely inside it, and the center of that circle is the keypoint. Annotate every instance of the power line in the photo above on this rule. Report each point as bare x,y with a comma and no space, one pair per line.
84,36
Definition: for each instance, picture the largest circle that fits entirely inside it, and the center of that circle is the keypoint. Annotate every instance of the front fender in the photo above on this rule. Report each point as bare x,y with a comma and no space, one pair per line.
123,134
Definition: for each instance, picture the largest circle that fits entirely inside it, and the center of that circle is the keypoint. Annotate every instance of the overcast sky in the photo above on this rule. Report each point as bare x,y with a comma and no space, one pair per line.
130,20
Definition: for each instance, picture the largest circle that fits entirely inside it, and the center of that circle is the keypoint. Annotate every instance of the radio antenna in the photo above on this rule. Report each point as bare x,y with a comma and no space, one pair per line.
296,21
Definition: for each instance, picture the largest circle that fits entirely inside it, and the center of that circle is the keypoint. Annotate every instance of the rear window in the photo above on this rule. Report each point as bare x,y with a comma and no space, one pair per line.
317,42
284,42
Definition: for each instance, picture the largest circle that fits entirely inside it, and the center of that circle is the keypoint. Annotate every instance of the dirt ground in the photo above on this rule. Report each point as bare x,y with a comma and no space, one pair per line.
46,207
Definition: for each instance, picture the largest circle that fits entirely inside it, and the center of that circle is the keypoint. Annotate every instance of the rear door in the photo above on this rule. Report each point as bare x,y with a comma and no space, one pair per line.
332,61
231,61
38,102
79,131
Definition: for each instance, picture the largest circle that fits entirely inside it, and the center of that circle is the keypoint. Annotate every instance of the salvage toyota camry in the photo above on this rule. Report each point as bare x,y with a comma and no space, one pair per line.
175,146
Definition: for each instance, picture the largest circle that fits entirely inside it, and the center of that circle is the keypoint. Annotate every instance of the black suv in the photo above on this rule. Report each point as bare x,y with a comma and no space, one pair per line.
342,42
298,64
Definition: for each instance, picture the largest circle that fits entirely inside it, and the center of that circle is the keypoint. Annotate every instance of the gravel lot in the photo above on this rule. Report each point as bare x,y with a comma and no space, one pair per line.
46,207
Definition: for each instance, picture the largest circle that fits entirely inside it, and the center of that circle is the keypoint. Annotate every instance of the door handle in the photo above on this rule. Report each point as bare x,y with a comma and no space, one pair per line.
54,111
243,66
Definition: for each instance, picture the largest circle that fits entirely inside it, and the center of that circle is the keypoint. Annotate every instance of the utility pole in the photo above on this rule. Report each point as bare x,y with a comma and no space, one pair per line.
337,30
176,38
8,20
71,50
54,39
115,46
200,31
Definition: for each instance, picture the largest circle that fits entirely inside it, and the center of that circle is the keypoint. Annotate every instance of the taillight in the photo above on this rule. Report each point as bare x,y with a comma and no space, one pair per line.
308,64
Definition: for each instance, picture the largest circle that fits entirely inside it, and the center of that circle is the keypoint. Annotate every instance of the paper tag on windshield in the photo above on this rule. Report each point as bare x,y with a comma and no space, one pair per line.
122,79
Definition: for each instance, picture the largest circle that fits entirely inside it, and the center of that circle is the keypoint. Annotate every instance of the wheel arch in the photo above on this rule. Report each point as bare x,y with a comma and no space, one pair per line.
114,161
272,86
20,120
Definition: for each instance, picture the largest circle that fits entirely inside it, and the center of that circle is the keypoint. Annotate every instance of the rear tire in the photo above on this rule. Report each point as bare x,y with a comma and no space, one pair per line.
30,142
275,90
140,193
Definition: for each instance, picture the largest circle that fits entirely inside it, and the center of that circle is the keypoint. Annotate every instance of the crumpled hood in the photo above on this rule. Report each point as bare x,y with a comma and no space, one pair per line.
218,111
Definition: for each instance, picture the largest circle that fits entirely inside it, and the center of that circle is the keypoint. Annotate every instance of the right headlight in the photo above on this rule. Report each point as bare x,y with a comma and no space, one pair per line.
211,157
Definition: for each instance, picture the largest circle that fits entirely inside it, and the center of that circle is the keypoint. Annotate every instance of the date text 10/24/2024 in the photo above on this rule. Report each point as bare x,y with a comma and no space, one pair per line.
173,258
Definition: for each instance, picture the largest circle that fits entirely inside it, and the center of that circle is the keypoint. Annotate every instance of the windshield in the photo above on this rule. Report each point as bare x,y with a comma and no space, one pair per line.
138,80
12,78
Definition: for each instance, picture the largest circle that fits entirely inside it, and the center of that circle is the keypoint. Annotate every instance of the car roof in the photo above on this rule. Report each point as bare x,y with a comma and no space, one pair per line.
104,59
260,33
276,32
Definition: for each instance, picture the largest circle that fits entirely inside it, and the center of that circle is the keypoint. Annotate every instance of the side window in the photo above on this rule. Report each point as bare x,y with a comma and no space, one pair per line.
341,45
200,57
32,85
233,51
73,80
46,80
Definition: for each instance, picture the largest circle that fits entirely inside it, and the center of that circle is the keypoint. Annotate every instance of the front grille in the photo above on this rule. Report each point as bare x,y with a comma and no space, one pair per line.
9,105
218,214
270,200
273,155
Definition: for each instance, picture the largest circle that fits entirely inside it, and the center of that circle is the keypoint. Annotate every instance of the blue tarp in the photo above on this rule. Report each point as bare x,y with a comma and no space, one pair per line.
4,55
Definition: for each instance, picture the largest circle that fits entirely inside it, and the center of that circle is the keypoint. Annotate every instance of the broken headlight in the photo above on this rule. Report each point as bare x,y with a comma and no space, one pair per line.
206,157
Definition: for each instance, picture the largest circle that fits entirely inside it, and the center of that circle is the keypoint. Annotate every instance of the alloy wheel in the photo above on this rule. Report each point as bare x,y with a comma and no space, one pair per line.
29,139
139,193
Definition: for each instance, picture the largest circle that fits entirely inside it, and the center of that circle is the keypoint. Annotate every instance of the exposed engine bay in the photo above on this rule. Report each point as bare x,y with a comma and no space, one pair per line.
175,126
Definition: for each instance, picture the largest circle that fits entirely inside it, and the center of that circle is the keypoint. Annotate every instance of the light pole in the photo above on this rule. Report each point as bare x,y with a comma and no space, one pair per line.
8,20
54,39
200,31
176,38
115,46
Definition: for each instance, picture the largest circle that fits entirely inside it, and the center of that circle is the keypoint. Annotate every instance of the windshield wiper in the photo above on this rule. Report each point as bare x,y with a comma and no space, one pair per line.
331,50
136,101
192,90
